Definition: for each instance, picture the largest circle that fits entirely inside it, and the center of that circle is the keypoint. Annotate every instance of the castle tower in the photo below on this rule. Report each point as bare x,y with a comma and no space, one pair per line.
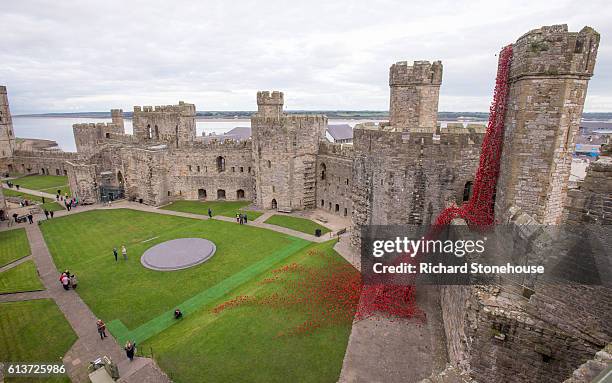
270,104
170,124
284,154
550,71
117,117
415,90
7,137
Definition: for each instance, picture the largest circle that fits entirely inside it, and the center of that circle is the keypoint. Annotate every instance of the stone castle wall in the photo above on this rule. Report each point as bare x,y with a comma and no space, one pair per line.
415,90
42,162
535,331
7,136
549,76
334,175
408,178
285,150
170,124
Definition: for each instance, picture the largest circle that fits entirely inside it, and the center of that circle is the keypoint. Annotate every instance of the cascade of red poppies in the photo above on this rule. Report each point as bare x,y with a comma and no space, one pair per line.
479,210
399,300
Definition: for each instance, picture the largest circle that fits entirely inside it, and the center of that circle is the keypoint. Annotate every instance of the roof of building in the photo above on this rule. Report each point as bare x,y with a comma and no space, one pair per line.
239,133
340,131
604,125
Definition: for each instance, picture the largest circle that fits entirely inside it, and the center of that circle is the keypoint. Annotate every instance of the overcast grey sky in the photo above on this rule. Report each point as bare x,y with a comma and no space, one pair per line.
64,56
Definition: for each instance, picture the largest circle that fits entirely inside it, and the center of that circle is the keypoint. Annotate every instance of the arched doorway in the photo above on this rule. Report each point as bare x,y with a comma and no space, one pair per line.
337,208
201,193
220,164
240,194
274,204
120,178
220,194
156,132
467,191
323,169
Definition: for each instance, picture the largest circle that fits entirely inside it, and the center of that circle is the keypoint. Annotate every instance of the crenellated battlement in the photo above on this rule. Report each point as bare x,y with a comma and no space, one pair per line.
215,144
553,51
291,119
421,72
182,108
91,125
270,98
333,149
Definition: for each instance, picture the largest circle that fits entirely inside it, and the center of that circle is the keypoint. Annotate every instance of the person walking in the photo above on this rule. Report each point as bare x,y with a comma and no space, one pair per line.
51,213
130,348
124,252
101,328
245,218
73,281
65,282
30,218
115,253
209,213
46,214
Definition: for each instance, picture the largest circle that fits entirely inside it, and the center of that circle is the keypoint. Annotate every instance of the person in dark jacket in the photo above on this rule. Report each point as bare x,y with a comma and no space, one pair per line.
130,349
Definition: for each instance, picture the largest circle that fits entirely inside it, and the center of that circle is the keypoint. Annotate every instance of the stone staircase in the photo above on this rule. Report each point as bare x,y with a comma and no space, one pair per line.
309,185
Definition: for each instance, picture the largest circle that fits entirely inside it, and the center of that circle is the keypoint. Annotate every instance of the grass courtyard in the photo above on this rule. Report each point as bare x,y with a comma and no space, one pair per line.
34,331
242,344
296,223
223,208
13,245
20,278
49,204
48,184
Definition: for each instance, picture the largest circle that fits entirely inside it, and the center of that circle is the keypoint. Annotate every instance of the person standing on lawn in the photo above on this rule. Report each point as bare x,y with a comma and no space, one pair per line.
115,253
51,213
46,214
209,213
124,252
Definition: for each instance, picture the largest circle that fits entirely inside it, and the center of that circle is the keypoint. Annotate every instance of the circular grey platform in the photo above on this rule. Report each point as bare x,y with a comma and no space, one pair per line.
178,254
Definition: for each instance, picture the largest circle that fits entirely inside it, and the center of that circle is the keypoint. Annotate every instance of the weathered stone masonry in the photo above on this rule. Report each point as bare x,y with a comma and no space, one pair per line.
404,171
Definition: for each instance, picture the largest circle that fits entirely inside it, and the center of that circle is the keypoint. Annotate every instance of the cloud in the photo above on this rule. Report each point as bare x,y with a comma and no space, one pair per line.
97,55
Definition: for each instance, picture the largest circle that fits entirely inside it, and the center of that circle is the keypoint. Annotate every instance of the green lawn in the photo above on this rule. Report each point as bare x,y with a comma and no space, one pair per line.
243,343
49,204
224,208
129,292
34,331
20,278
300,224
13,245
49,184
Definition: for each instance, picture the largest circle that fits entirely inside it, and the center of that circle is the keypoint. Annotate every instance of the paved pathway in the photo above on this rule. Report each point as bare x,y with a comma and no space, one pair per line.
89,346
25,296
412,350
39,193
15,263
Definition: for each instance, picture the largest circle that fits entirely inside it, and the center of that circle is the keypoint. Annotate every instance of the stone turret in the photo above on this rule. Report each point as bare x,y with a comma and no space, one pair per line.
270,104
7,137
117,117
415,90
550,71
